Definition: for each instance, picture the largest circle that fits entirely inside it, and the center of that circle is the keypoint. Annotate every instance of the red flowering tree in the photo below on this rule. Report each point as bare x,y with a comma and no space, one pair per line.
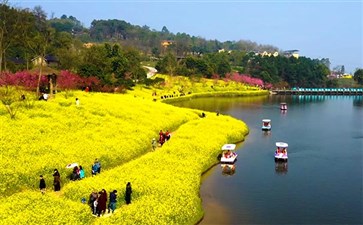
25,79
244,78
69,81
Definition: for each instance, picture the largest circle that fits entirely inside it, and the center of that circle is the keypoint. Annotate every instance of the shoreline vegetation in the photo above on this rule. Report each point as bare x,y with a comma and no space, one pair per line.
117,129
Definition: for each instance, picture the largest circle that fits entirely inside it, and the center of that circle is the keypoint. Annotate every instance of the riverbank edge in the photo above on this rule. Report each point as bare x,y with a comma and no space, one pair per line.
217,94
213,165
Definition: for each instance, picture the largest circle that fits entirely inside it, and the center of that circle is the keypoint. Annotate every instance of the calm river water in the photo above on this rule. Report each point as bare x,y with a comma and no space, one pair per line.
320,184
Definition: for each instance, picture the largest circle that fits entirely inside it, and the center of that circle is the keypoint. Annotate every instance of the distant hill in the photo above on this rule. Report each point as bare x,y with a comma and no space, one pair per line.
148,40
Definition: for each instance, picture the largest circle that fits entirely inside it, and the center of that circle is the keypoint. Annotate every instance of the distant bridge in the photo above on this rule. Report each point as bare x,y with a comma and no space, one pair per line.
319,91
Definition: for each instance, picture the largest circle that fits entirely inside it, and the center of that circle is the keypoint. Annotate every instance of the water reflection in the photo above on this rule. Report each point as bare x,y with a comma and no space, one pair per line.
358,101
280,167
228,169
266,132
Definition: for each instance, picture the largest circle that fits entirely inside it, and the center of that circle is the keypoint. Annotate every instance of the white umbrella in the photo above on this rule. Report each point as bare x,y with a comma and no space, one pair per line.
71,165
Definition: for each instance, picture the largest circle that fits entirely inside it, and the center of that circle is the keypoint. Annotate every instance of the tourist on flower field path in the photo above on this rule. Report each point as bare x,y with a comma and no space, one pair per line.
56,181
42,185
95,205
167,135
113,200
154,144
75,173
161,138
102,202
128,193
96,167
92,198
77,102
81,172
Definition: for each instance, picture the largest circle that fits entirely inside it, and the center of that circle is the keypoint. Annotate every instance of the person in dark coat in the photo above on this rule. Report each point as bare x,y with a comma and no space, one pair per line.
92,198
42,185
102,202
56,182
128,193
113,200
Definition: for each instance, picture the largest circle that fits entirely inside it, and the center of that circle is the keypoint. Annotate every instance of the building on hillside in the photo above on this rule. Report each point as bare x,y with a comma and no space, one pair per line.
88,45
166,43
291,53
347,76
48,60
267,54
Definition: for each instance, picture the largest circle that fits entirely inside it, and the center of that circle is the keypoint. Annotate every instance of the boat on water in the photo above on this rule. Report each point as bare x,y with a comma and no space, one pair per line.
266,124
281,151
283,106
228,155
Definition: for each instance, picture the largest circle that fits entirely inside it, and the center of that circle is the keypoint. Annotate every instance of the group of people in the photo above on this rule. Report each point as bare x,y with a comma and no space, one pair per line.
77,174
281,150
229,154
98,200
163,137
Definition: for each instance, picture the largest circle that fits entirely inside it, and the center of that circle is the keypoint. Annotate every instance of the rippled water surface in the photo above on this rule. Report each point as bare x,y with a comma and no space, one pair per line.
320,184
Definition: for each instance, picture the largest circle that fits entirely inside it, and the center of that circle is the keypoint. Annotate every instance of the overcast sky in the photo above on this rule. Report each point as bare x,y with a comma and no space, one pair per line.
318,29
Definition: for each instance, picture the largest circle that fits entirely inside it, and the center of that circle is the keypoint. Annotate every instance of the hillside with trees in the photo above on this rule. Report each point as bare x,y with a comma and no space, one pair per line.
112,51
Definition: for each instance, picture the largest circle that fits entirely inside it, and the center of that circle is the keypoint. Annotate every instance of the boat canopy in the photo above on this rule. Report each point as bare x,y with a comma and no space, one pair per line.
266,120
281,144
228,147
283,103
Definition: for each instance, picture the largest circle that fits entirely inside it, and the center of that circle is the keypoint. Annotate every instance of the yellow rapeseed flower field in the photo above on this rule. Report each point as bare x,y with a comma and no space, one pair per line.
116,129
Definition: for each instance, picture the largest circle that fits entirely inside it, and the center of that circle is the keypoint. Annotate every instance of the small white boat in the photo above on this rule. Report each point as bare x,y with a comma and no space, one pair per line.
266,124
283,106
228,154
281,151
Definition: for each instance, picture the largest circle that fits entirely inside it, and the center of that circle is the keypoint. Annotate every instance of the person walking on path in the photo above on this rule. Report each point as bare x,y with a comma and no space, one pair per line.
161,138
56,181
81,172
96,167
128,193
113,200
154,144
102,202
92,198
167,135
42,185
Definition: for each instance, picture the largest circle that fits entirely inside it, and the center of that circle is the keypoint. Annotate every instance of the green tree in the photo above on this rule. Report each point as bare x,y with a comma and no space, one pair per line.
167,64
39,39
358,76
94,62
12,28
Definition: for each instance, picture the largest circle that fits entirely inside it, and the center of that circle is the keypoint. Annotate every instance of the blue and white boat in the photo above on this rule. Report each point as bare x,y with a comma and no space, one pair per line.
281,151
228,154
